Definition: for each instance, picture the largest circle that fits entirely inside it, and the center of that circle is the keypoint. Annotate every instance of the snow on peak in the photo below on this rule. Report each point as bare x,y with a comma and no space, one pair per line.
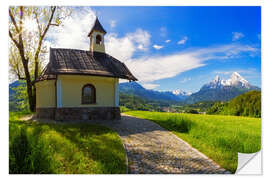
217,79
180,92
235,80
236,74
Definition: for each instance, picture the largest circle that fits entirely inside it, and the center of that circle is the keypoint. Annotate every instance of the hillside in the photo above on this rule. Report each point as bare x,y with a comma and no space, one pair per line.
136,97
133,102
247,104
17,96
134,88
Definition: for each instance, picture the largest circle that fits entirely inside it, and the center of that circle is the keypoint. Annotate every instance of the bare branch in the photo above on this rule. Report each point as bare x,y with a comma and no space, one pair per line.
21,18
21,78
13,39
41,39
13,21
49,22
52,24
19,73
39,27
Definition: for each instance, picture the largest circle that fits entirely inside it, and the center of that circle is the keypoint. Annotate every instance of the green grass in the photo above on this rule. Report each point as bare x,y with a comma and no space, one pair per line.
218,137
63,148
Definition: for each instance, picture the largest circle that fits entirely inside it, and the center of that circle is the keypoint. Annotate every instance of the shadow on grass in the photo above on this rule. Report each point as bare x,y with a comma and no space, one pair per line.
98,144
32,154
29,155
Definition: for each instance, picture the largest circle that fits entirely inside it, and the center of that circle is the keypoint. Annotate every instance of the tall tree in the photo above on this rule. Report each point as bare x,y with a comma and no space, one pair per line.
28,27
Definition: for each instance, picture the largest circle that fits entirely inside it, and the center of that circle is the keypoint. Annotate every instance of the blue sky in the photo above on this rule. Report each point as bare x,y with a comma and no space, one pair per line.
170,48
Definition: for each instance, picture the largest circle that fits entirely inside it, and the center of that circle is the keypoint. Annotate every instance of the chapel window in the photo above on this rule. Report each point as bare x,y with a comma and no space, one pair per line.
88,94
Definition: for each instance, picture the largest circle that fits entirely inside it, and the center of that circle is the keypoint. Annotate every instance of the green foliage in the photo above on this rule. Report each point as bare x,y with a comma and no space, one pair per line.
124,109
179,124
192,111
18,98
217,108
134,102
247,104
218,137
63,148
217,94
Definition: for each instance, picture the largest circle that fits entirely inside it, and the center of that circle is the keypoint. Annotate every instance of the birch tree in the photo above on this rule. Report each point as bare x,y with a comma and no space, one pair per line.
28,27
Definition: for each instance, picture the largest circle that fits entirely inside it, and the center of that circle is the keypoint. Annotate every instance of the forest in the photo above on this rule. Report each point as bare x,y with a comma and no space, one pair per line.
247,104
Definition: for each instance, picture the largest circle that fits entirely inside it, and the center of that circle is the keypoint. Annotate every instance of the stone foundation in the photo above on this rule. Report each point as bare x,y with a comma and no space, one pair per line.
79,113
45,113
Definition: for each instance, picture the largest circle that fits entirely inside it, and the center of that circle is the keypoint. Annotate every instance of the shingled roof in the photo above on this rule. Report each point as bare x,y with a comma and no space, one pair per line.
80,62
98,27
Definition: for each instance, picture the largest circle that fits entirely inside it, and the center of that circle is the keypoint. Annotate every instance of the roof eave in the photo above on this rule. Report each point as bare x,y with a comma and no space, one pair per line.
91,74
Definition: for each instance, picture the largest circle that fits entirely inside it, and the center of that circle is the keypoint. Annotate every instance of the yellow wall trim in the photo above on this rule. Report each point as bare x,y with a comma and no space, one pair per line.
45,93
72,90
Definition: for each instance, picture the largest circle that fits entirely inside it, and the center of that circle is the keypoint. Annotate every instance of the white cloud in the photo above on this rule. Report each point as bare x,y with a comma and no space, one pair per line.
140,46
124,47
120,48
141,37
73,34
112,23
237,35
183,41
167,41
160,67
150,86
152,68
74,30
157,46
250,71
226,51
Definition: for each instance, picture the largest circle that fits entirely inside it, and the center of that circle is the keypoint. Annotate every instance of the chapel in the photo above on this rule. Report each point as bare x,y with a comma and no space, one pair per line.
81,84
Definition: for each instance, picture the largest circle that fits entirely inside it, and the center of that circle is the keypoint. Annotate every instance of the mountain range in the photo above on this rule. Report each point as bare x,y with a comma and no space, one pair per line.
216,90
135,88
222,90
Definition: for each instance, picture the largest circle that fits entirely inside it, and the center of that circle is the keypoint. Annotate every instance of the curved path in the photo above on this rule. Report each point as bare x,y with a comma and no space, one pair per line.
152,150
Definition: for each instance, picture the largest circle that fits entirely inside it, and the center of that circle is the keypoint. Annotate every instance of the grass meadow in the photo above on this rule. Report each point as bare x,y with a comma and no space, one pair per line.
36,148
219,137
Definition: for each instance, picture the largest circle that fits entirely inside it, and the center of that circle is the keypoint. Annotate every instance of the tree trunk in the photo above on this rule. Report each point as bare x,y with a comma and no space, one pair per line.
34,99
30,96
31,89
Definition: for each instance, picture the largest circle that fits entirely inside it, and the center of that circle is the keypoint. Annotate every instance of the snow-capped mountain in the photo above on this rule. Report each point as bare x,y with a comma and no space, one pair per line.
135,88
216,90
222,90
236,80
181,92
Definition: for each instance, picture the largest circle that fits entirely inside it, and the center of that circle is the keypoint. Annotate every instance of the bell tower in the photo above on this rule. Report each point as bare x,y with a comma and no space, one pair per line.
96,36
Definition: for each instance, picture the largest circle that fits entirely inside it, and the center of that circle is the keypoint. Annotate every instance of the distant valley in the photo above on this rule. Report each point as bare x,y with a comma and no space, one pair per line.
216,90
135,96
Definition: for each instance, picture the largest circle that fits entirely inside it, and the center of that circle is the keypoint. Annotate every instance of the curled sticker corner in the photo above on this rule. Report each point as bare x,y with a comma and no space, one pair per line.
249,163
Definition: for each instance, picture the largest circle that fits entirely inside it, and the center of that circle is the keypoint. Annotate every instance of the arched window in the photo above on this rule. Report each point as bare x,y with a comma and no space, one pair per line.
98,39
88,94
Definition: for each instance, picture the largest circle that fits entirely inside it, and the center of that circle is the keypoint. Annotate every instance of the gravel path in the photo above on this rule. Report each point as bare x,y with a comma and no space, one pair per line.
153,150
